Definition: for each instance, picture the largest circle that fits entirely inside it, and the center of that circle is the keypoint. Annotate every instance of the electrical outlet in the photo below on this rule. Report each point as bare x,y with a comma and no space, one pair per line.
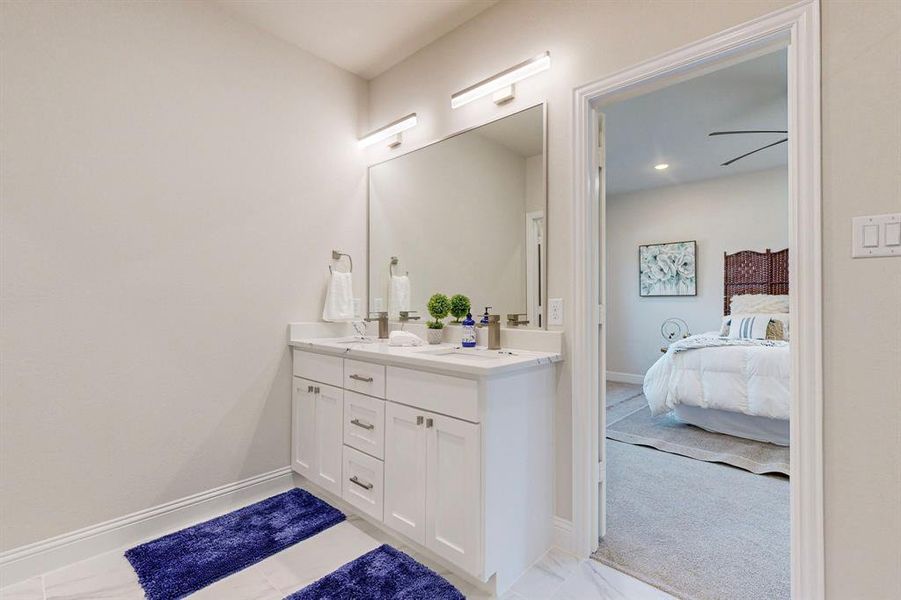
555,311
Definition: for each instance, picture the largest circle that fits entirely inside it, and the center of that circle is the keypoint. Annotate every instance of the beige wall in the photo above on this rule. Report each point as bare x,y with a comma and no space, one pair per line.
172,183
861,144
748,211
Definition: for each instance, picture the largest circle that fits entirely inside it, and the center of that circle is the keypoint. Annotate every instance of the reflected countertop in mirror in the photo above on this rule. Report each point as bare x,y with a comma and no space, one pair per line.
465,215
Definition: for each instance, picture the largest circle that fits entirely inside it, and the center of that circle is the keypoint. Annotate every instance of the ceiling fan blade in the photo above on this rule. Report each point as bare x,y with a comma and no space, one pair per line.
729,162
747,131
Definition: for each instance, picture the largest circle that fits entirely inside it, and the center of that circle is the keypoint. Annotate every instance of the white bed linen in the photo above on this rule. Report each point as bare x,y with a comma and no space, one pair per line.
752,380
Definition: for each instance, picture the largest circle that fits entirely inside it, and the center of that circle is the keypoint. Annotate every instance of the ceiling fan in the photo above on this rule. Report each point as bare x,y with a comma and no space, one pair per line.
729,162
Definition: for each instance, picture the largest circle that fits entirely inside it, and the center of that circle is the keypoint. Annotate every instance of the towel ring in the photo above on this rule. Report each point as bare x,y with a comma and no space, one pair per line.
337,256
393,264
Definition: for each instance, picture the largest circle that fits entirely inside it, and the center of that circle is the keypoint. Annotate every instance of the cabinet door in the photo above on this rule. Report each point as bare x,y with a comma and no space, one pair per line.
453,490
328,436
303,428
405,465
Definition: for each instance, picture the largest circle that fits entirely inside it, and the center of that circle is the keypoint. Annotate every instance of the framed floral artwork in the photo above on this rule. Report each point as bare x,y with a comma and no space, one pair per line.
668,269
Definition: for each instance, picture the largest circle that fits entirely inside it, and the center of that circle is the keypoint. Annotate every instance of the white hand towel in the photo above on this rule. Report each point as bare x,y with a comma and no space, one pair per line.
404,338
398,295
339,299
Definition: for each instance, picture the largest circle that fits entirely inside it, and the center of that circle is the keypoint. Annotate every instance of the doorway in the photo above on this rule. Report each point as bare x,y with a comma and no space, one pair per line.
797,29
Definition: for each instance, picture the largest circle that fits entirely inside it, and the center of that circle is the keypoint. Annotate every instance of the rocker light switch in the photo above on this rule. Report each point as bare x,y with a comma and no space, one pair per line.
877,235
870,236
893,234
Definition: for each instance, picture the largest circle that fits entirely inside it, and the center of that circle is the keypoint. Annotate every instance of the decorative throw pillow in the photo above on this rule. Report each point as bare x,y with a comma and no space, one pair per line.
758,303
775,330
752,327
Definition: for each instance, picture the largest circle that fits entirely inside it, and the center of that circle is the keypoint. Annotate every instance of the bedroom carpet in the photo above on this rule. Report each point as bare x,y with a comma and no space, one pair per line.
629,420
698,530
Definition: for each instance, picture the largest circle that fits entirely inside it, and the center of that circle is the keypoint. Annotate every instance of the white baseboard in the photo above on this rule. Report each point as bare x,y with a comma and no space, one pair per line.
563,534
625,377
21,563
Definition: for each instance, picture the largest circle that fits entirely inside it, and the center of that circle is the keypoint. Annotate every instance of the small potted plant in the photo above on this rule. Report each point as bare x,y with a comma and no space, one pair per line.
459,307
439,307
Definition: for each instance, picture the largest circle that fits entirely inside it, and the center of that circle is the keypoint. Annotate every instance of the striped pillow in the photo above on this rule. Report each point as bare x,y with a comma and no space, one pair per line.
751,327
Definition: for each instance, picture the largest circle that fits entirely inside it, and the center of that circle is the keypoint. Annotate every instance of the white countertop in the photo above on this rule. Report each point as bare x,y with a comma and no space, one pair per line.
447,358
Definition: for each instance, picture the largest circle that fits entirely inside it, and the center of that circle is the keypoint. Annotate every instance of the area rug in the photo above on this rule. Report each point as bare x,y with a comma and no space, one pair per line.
183,562
697,530
630,421
381,574
620,392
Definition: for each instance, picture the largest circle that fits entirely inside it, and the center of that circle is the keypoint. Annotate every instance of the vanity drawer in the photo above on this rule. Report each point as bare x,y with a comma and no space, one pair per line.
364,423
364,482
451,396
319,367
365,378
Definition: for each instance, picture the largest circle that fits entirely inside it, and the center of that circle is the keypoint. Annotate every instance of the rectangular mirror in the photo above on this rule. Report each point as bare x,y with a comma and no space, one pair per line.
465,215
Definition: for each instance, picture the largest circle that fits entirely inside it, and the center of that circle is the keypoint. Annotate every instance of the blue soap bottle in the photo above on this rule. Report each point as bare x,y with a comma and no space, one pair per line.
469,332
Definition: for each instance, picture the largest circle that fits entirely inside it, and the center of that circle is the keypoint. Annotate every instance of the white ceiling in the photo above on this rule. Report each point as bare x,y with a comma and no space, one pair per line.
671,125
361,36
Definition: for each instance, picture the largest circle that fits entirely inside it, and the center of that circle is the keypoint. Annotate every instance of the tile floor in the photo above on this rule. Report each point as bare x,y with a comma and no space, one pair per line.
109,576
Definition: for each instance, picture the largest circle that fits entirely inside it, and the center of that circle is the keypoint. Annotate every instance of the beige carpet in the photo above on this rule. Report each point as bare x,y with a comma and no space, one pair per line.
697,530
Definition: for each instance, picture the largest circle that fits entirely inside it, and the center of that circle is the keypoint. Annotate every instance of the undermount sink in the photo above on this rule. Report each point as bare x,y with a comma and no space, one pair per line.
464,354
354,341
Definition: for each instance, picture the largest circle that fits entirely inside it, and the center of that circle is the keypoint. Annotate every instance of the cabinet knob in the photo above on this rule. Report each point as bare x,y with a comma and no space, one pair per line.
310,389
429,422
419,420
315,390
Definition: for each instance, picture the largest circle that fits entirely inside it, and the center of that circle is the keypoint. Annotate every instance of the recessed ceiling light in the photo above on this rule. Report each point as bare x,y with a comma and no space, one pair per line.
661,166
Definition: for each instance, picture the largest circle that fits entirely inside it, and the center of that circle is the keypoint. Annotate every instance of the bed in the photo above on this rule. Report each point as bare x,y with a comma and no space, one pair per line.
734,385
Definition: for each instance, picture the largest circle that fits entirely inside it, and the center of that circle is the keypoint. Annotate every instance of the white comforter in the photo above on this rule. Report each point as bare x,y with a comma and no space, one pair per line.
750,377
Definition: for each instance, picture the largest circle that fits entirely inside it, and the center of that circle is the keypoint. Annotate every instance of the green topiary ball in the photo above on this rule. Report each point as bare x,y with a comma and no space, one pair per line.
459,306
439,307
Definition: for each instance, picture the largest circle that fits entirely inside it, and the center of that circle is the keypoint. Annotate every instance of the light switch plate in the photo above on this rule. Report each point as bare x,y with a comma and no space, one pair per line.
876,235
555,311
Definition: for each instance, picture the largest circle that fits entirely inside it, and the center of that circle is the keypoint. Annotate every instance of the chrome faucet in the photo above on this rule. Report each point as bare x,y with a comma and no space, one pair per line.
513,319
382,319
494,331
408,315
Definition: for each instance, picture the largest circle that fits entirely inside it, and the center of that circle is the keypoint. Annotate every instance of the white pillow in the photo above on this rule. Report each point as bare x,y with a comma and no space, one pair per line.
742,304
748,326
726,330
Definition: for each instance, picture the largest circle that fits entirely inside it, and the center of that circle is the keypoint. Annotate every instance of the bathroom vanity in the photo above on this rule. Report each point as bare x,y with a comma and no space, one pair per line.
450,448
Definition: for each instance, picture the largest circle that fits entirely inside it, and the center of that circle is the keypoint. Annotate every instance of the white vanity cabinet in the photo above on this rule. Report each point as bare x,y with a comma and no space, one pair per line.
316,432
459,463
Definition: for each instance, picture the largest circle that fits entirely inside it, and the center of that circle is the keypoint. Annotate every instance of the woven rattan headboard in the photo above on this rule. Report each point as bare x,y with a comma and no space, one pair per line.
750,272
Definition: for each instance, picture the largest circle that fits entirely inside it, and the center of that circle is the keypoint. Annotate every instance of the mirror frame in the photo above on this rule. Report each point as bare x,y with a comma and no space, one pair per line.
544,280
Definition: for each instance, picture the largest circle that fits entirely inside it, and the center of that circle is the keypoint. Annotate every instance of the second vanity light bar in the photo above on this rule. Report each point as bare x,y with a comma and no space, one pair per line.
503,79
390,130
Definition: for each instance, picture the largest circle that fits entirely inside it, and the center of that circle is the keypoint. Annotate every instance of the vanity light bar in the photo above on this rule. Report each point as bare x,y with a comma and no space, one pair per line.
502,80
390,130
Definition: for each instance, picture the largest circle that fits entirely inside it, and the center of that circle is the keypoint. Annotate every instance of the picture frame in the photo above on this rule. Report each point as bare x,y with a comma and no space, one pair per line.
668,269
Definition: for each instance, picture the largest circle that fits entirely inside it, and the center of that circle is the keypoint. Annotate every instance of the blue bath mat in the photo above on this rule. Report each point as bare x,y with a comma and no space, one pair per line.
183,562
382,574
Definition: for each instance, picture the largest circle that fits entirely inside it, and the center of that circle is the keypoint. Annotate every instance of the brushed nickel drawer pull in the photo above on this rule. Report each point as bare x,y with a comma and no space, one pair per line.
365,486
361,378
360,423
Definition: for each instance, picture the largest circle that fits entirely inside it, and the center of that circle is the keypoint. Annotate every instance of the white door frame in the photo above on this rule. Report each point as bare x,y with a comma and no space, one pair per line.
535,261
799,24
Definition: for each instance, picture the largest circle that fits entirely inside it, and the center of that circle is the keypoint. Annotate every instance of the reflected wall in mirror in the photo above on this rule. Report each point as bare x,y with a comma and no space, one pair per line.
465,215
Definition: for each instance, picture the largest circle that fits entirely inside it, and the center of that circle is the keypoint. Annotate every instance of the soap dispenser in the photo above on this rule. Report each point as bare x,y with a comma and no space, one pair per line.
469,332
483,322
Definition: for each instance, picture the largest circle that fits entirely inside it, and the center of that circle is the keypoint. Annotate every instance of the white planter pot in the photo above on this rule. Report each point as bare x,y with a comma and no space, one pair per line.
434,336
